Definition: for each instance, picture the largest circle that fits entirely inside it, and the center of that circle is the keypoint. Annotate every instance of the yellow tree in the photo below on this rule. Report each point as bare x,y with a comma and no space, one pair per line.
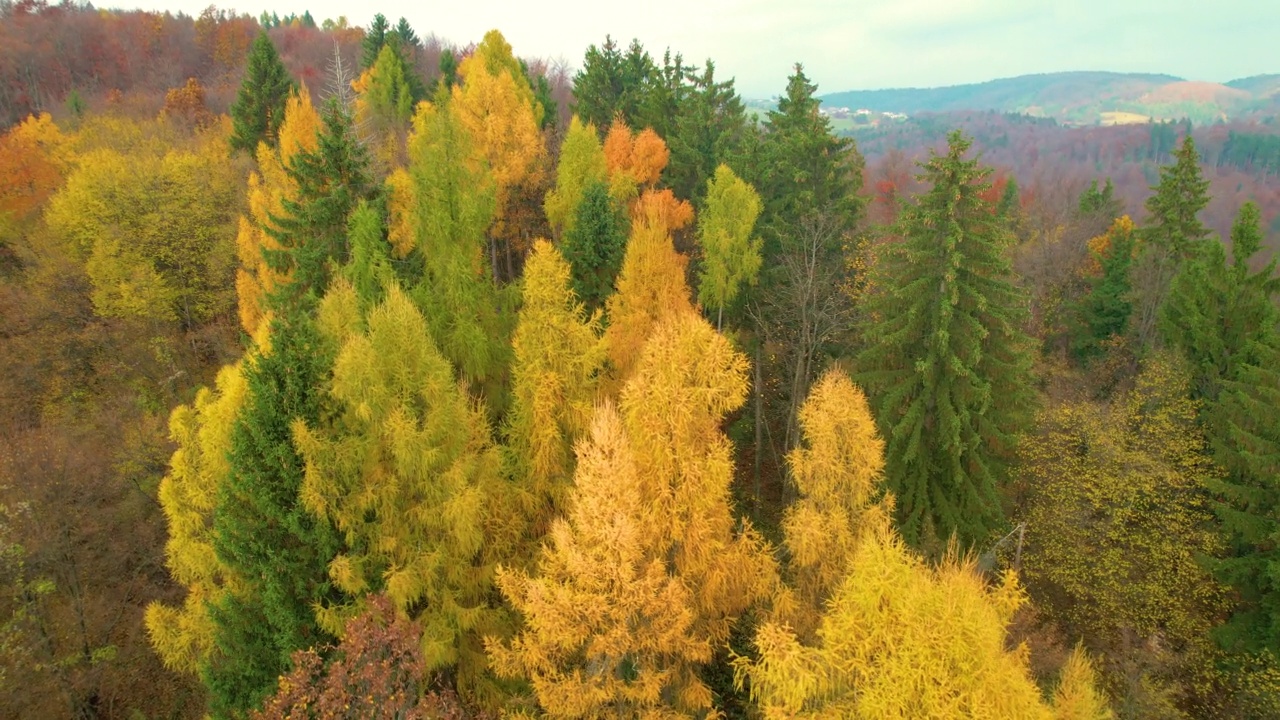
644,580
879,633
557,356
155,231
731,256
183,636
582,162
837,473
268,188
651,288
496,105
384,104
403,472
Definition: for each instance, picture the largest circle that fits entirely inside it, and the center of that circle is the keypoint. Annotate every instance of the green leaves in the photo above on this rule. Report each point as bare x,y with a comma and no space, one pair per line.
259,107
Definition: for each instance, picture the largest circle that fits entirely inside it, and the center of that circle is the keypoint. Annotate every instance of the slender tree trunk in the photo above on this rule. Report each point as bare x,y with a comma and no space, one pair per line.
759,393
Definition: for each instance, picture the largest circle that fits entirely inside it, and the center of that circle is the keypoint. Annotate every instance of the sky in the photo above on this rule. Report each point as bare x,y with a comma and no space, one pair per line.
852,44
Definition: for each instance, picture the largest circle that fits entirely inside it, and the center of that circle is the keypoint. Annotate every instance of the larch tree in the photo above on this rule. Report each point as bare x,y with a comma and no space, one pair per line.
651,288
259,107
402,471
183,636
946,362
268,189
726,229
557,357
441,208
644,580
582,162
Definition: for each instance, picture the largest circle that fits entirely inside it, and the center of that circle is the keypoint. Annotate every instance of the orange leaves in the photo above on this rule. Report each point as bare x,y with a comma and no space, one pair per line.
1100,246
186,104
661,209
33,160
640,157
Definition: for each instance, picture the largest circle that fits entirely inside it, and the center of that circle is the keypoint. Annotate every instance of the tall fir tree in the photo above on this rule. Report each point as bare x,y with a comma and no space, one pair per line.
258,110
709,130
581,162
1223,319
1172,236
374,38
946,360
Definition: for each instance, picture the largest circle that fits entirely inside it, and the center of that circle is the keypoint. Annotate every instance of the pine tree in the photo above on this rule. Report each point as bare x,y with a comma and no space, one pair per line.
595,245
1010,203
259,107
1105,311
312,230
947,364
731,256
708,131
1172,236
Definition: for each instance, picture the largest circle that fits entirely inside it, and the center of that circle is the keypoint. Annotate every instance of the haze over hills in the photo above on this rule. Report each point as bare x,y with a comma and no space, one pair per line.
1084,98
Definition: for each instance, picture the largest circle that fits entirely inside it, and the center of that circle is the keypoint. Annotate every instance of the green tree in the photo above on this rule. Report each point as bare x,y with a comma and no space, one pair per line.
709,128
258,109
731,255
374,39
595,244
581,162
612,83
1172,236
1100,202
946,361
1105,311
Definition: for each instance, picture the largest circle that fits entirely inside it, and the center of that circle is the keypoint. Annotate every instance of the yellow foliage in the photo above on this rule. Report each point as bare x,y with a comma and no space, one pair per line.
1100,246
557,357
183,636
34,158
647,575
582,161
651,288
1077,696
635,161
404,474
268,189
837,473
400,204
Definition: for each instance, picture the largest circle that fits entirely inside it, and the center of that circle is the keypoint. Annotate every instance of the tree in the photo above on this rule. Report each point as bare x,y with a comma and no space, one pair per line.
731,256
447,204
946,362
645,578
557,356
1104,312
611,84
268,188
375,38
403,470
582,162
1117,525
261,531
258,109
595,245
1172,236
709,128
650,290
384,103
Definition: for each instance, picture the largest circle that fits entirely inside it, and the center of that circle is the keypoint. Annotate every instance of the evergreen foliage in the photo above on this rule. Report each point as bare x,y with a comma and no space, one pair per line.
258,110
946,363
595,244
1104,312
708,131
375,37
581,162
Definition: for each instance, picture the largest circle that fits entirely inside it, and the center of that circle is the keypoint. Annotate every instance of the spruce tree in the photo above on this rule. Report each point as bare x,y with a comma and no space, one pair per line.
1223,319
374,38
1105,311
946,361
595,244
708,132
258,110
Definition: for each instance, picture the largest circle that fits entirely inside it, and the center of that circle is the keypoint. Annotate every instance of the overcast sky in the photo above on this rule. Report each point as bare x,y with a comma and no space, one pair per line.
854,44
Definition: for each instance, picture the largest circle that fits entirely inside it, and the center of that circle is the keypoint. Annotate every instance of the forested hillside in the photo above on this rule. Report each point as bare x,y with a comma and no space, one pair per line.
350,373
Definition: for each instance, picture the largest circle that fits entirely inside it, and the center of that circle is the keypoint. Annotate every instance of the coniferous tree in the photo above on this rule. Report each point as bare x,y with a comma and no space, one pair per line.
1105,311
1223,319
581,162
947,364
595,244
1010,202
258,110
731,255
709,129
374,38
1172,236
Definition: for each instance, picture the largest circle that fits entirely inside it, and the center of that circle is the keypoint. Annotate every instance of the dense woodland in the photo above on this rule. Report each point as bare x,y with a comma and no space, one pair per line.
349,373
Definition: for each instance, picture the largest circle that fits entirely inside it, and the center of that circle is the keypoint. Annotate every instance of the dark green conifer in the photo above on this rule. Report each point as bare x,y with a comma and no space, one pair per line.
709,130
947,364
1105,311
258,109
595,245
374,38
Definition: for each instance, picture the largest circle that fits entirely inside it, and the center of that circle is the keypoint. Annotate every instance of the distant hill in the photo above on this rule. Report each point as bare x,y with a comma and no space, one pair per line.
1084,98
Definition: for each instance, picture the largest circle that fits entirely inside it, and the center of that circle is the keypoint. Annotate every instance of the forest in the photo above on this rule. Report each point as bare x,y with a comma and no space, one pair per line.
353,373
